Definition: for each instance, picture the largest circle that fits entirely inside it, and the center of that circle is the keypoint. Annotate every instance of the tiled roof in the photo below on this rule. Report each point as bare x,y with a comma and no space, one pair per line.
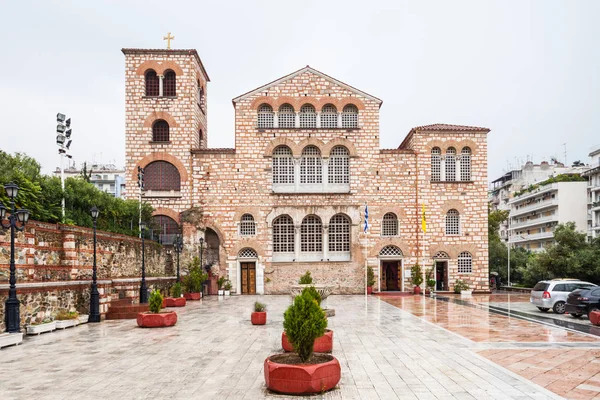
449,127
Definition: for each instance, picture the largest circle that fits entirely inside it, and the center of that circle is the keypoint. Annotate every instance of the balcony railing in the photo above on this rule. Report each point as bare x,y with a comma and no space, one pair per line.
533,207
534,236
532,222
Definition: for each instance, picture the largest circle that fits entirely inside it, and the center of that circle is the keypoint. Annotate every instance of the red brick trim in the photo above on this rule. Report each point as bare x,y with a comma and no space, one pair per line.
448,249
326,150
453,204
160,157
298,102
311,141
392,241
351,100
156,115
247,243
159,67
257,102
281,141
168,212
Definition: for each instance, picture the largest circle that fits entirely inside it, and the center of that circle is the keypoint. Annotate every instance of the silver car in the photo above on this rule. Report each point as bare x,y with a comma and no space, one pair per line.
553,294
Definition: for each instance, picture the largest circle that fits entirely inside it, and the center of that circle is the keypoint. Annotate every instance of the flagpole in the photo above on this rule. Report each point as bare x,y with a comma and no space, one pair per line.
366,244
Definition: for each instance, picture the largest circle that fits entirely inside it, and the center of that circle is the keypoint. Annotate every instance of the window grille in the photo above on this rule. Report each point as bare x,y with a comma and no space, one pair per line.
391,251
169,84
287,116
161,175
160,131
283,234
441,255
350,116
164,229
452,222
308,116
339,233
465,164
247,225
201,99
329,116
339,165
283,165
465,263
436,168
389,225
247,253
311,234
265,116
200,137
152,84
451,164
311,169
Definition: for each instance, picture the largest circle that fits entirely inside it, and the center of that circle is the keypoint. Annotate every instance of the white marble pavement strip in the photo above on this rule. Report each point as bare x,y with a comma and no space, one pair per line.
214,352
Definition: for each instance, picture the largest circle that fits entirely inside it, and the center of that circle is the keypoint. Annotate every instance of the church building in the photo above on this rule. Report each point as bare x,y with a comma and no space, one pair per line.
290,196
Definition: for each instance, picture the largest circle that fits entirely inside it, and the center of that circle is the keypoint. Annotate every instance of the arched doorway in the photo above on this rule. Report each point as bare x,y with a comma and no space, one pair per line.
247,259
212,246
390,269
441,270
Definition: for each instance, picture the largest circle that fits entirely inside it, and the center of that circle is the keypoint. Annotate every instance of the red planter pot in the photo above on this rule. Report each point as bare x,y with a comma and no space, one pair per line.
323,344
302,378
595,317
160,320
369,289
417,290
174,302
192,296
258,317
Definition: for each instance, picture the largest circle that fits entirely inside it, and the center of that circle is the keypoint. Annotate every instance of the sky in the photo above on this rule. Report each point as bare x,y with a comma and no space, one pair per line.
528,70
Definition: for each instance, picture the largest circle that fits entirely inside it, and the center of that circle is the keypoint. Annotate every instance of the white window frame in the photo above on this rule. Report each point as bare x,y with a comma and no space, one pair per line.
286,117
311,166
436,164
311,239
389,225
247,225
308,116
338,171
452,225
265,117
465,263
450,164
329,116
350,117
339,238
283,231
465,164
283,169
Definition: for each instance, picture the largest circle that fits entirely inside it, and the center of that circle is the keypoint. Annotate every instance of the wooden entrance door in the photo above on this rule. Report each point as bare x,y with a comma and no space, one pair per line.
391,275
248,278
441,275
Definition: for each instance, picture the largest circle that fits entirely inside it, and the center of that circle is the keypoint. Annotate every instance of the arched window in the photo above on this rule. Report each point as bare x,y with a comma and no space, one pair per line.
200,96
308,116
247,225
247,253
286,116
451,164
161,175
329,116
350,116
311,169
164,229
389,225
169,84
465,164
283,165
436,168
339,165
339,233
452,222
283,234
265,116
465,263
441,255
391,251
311,234
152,85
160,131
200,138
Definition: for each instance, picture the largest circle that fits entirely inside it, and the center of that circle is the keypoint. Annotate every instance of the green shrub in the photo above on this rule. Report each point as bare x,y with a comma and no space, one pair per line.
192,283
227,285
176,290
460,285
313,292
259,307
306,279
221,281
155,302
304,321
370,277
430,283
63,315
416,275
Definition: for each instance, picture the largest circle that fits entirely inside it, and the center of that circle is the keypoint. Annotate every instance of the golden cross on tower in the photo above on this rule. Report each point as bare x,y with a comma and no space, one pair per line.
168,38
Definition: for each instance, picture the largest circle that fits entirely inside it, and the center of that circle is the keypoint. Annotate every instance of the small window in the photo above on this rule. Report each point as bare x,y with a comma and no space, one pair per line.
452,222
283,165
311,234
160,131
350,116
308,116
152,84
389,225
465,264
169,84
465,164
436,170
247,225
287,116
161,175
329,116
265,116
451,164
339,165
311,169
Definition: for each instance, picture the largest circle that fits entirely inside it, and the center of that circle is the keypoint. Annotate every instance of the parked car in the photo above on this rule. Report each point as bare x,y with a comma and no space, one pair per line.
583,301
553,294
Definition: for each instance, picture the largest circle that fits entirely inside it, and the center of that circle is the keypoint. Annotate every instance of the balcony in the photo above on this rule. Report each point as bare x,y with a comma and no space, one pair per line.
534,193
595,206
534,207
533,222
534,236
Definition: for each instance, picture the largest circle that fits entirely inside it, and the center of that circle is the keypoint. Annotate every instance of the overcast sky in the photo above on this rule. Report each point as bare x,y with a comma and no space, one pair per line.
528,70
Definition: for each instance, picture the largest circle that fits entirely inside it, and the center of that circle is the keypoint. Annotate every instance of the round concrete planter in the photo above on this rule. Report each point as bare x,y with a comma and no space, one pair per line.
192,296
160,320
323,344
258,317
301,378
595,317
174,302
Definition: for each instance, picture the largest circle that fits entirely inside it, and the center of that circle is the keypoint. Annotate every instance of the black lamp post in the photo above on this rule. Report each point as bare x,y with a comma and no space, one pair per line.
11,307
178,249
94,295
143,287
201,250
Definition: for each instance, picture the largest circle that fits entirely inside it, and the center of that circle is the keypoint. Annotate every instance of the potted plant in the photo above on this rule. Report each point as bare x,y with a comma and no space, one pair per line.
259,316
45,325
416,278
192,283
370,280
302,372
155,318
227,287
430,283
176,299
220,283
306,279
66,319
463,288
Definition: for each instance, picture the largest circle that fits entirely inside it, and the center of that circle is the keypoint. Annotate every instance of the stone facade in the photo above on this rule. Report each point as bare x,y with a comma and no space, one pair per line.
219,186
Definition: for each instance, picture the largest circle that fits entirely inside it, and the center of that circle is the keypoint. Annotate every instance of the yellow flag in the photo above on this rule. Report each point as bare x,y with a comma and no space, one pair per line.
423,221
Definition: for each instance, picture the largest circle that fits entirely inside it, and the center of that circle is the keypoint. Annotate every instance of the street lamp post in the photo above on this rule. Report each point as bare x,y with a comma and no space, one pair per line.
201,250
94,295
11,307
178,249
143,287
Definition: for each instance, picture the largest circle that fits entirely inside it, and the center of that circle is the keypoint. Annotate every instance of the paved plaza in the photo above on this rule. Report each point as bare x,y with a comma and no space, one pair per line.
406,347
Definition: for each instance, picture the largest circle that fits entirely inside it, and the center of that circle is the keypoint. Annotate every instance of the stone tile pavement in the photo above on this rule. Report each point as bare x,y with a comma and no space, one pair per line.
215,353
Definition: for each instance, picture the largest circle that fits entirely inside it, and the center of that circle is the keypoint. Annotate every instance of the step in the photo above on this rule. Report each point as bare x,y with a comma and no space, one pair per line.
122,315
132,307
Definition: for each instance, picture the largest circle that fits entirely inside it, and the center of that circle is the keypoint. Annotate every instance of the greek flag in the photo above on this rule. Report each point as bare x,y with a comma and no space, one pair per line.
366,218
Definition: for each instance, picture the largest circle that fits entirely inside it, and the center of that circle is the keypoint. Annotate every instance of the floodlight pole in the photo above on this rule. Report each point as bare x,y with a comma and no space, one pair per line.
62,184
